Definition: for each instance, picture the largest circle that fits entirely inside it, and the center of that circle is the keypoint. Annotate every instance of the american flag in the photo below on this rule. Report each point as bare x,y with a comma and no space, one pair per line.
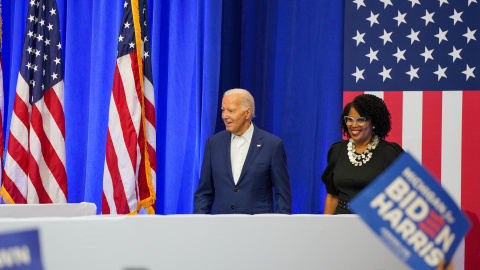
130,164
423,58
35,159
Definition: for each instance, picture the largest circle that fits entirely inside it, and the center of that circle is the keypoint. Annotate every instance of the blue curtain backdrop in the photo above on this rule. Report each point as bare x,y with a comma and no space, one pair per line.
287,53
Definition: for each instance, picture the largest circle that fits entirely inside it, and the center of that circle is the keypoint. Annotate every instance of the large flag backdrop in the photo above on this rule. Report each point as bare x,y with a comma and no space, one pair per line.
423,59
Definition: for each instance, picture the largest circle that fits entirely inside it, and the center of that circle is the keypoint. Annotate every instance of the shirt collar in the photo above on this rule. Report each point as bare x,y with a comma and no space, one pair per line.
247,135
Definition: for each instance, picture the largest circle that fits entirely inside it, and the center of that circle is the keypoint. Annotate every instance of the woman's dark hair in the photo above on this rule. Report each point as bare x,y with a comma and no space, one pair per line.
374,109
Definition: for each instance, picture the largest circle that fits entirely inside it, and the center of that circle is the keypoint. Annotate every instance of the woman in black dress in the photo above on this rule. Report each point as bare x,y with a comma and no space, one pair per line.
352,164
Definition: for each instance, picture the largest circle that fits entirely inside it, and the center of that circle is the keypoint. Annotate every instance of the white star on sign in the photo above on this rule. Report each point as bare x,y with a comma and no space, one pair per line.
470,34
471,1
399,54
413,73
443,2
442,35
386,37
427,54
386,2
359,3
385,73
469,72
456,17
455,54
428,17
413,36
358,74
400,18
359,37
372,55
415,2
373,18
440,72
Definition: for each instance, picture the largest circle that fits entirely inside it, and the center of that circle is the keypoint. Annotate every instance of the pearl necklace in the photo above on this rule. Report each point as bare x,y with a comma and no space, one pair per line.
360,159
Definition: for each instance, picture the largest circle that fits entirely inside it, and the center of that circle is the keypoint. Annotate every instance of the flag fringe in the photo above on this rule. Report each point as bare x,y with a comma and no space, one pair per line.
5,196
148,202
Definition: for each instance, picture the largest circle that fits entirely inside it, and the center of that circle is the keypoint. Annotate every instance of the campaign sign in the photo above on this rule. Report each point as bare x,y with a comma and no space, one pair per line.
412,214
20,251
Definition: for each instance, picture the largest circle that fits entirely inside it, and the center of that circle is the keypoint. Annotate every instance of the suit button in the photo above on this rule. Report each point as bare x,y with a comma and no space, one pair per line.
231,206
235,189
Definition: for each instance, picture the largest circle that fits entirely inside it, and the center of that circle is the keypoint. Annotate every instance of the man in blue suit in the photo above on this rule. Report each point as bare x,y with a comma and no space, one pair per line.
243,166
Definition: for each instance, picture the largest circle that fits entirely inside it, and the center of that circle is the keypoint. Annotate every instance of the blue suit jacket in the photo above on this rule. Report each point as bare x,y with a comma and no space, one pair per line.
264,171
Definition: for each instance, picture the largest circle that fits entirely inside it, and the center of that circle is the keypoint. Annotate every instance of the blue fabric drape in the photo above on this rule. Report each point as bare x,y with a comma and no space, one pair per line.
287,53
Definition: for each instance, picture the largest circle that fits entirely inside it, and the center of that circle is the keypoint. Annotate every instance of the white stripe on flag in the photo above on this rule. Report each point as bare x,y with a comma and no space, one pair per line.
379,94
452,143
412,123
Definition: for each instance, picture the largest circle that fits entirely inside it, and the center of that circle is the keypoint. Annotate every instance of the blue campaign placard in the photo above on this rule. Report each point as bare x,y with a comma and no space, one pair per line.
20,251
412,214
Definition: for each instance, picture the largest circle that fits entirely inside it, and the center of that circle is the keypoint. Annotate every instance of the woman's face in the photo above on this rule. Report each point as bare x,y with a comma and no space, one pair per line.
360,134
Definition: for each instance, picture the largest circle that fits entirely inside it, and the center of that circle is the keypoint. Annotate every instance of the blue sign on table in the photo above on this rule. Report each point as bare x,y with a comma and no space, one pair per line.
412,214
20,251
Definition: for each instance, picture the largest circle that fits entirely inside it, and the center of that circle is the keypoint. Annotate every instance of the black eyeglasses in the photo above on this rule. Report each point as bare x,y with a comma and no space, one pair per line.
350,120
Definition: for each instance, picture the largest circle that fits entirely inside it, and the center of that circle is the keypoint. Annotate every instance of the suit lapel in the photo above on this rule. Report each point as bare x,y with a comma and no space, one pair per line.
227,140
255,146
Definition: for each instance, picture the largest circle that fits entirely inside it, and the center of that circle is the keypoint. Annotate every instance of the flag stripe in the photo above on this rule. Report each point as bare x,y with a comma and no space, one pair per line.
432,132
38,194
451,143
13,190
55,108
126,123
470,189
412,123
394,102
18,153
121,205
51,166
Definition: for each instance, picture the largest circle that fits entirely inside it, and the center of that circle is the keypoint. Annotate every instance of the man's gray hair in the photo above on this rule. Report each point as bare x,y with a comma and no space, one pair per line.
247,99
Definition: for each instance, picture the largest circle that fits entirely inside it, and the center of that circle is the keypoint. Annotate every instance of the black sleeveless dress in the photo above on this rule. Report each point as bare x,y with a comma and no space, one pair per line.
345,180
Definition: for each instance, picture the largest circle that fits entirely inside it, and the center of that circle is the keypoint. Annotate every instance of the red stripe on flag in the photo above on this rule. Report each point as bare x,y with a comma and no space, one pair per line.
20,109
18,153
149,112
394,102
105,207
470,184
36,179
12,190
349,96
55,108
128,129
142,177
118,190
152,157
52,160
136,77
432,132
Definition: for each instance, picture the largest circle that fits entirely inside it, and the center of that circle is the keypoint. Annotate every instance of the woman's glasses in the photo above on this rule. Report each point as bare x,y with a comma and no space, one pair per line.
350,120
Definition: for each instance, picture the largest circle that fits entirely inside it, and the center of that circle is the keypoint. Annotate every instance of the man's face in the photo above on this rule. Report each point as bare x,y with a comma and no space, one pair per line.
236,120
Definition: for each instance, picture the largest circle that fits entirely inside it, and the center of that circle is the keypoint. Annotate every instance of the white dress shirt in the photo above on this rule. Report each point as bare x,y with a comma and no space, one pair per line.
238,151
